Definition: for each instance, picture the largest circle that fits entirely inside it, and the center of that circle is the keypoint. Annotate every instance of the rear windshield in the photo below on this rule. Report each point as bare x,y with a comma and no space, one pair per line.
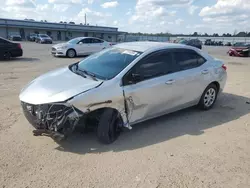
106,64
43,35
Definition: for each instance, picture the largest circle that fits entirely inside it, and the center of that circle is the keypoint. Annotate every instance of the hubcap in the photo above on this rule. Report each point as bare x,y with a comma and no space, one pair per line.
209,97
71,53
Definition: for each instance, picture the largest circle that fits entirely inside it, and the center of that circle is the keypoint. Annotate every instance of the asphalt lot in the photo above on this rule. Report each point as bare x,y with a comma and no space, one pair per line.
190,148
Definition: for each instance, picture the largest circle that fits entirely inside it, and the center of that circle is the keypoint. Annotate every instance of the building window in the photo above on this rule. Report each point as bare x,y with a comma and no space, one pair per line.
70,34
49,33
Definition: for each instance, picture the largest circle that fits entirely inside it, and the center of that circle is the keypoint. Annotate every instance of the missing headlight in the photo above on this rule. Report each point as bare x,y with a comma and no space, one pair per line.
54,117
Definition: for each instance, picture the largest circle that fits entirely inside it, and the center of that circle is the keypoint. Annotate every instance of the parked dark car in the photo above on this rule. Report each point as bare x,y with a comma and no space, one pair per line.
193,42
9,49
32,37
208,42
43,39
15,37
228,44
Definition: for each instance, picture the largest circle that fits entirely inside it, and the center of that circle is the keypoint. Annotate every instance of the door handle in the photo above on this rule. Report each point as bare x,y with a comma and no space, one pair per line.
205,71
170,82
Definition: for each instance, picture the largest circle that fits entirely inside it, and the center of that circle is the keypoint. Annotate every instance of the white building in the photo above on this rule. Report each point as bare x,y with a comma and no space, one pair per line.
58,31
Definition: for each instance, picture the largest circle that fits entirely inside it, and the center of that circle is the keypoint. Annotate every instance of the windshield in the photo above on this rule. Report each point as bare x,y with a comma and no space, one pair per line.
183,42
239,44
106,64
43,35
74,41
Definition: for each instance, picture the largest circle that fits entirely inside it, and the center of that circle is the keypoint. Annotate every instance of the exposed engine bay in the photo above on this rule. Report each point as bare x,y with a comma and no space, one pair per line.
56,119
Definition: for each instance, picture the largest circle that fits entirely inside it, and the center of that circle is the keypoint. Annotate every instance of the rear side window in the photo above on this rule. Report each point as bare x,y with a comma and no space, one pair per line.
97,41
3,41
188,59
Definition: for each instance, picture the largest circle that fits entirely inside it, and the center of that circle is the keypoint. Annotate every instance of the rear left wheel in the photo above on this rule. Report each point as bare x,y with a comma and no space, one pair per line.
208,97
7,56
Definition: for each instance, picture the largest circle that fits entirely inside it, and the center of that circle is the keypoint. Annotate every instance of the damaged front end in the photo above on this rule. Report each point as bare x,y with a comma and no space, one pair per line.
57,120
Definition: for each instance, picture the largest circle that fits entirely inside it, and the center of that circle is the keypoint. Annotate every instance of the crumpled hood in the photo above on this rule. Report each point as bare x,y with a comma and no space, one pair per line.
56,86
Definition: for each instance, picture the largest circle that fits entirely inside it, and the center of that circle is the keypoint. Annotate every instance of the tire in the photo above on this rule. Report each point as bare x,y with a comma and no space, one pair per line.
208,97
108,129
7,55
71,53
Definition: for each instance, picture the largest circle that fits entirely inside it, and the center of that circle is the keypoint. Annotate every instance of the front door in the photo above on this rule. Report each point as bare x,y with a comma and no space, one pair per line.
149,87
83,47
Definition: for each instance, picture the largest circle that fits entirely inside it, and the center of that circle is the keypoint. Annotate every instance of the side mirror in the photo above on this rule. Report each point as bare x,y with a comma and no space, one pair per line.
135,78
80,43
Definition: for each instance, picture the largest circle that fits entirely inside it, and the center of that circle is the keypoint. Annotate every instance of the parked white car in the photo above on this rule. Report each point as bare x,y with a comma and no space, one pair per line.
80,46
121,86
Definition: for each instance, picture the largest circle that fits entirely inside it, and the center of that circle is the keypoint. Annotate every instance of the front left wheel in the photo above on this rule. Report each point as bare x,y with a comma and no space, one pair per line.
109,128
71,53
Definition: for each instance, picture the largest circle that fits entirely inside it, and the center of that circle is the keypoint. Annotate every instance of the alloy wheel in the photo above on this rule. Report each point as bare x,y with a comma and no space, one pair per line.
209,97
71,53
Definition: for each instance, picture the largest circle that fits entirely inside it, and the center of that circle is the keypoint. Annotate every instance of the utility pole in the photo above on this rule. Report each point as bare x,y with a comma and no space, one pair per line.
85,19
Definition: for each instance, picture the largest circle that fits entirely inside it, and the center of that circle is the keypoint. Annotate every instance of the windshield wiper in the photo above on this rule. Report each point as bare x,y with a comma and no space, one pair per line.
77,71
93,76
83,73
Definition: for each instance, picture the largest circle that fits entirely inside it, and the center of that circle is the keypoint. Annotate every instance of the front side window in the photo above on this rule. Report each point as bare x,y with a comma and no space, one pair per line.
152,66
188,59
155,65
86,41
74,41
106,64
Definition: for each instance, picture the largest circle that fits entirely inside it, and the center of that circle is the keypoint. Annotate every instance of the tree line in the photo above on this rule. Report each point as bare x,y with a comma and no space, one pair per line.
196,34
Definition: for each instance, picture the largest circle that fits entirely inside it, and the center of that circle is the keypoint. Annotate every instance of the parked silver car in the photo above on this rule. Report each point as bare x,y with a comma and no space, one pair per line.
121,86
80,46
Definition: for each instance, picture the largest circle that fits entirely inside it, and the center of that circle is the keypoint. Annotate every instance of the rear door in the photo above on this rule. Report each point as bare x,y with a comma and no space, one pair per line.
5,46
191,77
97,45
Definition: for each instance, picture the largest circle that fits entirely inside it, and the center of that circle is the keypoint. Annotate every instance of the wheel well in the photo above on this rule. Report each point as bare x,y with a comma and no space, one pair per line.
71,49
92,118
216,84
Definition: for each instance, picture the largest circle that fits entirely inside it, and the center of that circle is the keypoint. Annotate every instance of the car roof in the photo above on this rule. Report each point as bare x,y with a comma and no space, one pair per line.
80,38
144,46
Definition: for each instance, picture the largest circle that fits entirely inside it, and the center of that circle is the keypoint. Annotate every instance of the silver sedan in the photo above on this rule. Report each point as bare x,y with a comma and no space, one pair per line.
79,46
121,86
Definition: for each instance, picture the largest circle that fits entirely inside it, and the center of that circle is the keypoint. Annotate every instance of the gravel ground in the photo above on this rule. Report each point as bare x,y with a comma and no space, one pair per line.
190,148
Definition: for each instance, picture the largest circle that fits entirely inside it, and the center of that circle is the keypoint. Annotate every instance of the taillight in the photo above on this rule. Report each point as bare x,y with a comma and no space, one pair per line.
19,46
224,67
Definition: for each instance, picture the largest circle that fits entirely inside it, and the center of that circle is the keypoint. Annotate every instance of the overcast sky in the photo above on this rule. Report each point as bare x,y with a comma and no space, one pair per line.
147,16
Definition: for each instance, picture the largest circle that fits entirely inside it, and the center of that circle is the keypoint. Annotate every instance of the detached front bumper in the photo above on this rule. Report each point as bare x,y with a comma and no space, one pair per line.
52,118
58,52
